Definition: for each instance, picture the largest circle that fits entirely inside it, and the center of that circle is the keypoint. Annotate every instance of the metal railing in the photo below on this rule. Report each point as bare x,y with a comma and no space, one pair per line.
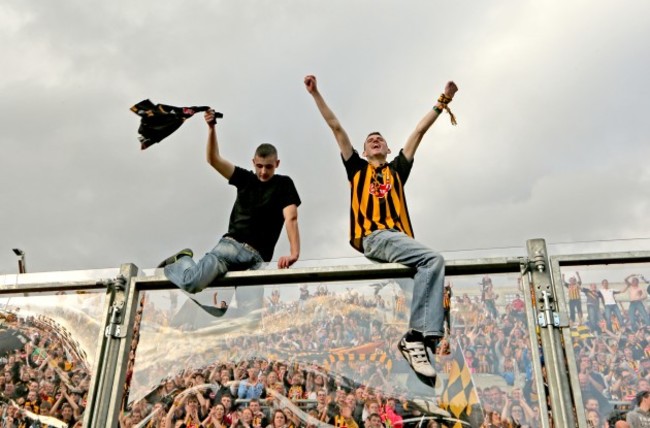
544,299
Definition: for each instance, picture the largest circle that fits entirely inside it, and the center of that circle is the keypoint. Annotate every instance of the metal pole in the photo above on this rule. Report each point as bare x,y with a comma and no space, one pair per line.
22,268
103,405
550,320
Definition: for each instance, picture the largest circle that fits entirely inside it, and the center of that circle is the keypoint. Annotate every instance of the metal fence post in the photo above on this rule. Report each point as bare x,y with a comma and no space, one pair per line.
550,320
102,411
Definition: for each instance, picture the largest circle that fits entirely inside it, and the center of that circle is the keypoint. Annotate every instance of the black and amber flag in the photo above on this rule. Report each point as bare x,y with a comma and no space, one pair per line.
580,333
459,396
158,121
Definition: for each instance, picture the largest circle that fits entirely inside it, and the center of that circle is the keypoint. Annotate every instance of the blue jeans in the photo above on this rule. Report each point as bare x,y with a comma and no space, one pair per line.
427,313
636,306
594,317
228,255
613,310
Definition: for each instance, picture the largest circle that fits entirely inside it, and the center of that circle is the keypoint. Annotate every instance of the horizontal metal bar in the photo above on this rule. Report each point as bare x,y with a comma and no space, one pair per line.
339,273
74,279
92,279
603,258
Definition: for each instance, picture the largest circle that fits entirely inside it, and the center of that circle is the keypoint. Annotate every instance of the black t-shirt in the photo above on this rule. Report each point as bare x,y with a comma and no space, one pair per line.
256,218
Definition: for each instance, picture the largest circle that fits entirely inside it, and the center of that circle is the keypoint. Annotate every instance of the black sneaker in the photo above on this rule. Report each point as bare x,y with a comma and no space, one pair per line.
173,259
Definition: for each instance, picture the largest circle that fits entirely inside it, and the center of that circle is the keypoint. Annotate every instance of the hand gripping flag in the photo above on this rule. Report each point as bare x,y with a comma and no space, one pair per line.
158,121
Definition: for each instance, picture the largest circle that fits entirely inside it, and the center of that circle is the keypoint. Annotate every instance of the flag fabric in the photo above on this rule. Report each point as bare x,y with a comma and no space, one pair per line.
459,396
158,121
581,332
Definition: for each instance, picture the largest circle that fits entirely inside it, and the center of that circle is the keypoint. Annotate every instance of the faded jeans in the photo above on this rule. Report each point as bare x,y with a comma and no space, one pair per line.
393,246
613,310
636,307
228,255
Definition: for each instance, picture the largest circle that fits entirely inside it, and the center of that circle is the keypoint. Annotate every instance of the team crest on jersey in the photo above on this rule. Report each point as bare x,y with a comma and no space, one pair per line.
380,189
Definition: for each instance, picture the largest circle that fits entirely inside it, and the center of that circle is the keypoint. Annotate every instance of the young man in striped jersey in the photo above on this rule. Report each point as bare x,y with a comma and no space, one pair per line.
380,227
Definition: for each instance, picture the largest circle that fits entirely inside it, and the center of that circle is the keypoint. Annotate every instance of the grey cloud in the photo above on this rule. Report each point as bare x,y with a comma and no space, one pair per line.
551,115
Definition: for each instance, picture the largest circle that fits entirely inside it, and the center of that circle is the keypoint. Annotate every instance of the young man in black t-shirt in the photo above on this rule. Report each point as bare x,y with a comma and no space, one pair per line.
265,202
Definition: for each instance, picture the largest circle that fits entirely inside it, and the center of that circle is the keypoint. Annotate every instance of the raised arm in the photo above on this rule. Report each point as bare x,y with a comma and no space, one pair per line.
425,123
222,166
290,213
341,136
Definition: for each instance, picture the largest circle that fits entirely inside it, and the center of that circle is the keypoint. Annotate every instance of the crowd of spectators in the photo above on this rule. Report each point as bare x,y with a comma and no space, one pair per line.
44,373
612,350
289,358
328,357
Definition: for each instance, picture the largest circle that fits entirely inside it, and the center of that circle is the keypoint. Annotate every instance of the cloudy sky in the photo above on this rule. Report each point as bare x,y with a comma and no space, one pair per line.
552,141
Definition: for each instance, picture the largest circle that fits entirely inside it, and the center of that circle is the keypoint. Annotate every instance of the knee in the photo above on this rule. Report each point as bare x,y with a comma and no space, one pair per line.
434,260
194,287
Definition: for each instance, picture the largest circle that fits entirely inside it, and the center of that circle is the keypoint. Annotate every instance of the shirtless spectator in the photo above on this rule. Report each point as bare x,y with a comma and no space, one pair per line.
637,297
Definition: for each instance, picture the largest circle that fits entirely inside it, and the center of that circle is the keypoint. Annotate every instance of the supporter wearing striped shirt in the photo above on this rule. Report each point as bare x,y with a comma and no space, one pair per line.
380,225
573,289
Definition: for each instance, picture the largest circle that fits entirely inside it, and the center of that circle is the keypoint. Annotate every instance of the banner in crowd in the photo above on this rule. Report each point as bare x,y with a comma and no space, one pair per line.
459,396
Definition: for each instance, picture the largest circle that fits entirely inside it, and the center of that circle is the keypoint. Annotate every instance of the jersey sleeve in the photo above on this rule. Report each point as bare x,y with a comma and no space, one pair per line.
353,164
402,166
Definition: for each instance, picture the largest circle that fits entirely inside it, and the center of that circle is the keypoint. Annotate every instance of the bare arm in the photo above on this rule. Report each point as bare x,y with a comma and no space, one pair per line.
425,123
223,166
341,136
170,415
290,213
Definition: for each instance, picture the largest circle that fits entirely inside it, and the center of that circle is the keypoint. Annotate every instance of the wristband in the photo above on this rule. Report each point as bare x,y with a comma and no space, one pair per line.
444,100
437,109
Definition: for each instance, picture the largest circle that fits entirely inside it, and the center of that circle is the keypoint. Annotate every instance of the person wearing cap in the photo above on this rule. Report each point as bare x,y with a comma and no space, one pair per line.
640,416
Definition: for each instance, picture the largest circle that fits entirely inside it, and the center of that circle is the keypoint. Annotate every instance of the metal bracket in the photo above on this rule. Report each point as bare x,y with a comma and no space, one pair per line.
114,328
545,300
537,263
546,316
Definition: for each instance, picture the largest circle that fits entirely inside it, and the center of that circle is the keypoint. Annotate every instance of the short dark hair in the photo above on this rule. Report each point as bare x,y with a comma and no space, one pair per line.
374,133
265,150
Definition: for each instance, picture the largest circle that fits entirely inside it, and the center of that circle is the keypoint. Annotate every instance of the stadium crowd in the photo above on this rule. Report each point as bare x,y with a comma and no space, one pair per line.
44,376
340,367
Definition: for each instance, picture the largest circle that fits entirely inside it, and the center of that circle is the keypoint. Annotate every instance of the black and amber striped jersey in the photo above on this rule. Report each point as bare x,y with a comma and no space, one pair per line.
377,199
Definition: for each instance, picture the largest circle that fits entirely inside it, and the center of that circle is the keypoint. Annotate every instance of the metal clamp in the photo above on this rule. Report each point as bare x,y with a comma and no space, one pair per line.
547,317
114,328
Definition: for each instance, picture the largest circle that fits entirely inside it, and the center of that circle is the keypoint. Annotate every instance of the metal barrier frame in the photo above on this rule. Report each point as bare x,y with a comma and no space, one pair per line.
123,285
557,263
